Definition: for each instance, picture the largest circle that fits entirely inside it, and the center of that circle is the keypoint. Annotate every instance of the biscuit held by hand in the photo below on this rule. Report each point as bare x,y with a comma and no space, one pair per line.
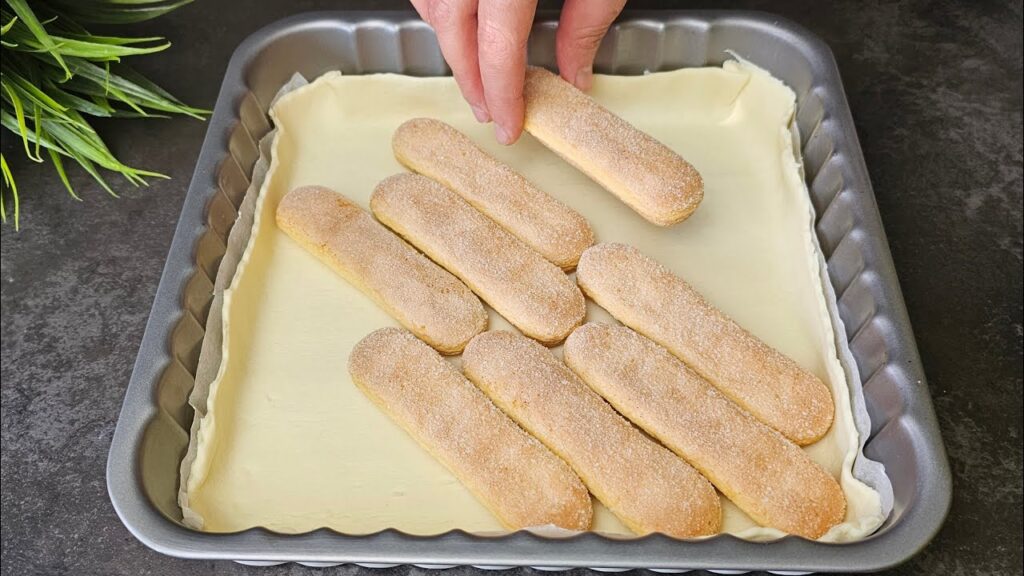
645,174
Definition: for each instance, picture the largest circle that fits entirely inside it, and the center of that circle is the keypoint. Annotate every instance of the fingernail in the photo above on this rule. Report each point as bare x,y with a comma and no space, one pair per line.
584,77
503,136
481,114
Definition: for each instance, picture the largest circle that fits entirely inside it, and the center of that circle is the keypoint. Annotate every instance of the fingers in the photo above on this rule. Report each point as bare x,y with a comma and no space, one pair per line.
580,29
503,30
455,23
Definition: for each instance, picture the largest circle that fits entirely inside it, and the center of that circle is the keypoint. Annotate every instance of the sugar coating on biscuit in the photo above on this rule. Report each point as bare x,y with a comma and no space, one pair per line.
767,476
442,153
407,285
644,173
516,477
530,292
644,295
644,484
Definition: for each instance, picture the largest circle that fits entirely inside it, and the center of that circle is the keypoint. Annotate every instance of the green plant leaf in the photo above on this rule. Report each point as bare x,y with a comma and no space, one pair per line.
10,122
105,51
74,102
9,183
112,40
29,91
139,94
6,27
55,74
92,171
98,51
92,148
58,165
114,12
37,122
28,18
3,201
98,48
19,114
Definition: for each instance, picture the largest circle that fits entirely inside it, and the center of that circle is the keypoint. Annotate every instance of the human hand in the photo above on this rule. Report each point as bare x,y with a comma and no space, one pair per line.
484,43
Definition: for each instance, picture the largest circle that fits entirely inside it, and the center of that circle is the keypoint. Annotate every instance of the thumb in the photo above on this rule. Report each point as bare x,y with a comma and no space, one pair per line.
580,29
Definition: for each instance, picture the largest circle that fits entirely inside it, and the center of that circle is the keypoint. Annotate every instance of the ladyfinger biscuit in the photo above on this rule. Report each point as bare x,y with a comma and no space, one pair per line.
645,485
514,476
438,151
530,292
422,296
648,298
767,476
642,172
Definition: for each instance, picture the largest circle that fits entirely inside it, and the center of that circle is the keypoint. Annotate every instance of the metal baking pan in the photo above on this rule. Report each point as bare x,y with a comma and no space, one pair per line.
152,431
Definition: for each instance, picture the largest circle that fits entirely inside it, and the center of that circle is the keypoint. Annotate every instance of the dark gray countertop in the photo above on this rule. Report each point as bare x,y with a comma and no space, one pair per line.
935,89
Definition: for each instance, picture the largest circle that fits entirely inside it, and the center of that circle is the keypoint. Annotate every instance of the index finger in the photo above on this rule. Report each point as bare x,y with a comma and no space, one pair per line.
504,28
454,22
580,29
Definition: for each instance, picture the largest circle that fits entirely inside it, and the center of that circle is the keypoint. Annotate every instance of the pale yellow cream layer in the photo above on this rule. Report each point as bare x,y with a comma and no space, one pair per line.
289,443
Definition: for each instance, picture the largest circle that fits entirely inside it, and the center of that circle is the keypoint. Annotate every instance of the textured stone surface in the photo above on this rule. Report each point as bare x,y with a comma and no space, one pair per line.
935,89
